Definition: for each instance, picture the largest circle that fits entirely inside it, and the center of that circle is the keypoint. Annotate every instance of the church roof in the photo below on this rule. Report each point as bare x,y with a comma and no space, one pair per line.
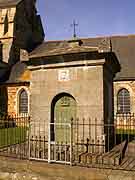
59,49
122,46
7,3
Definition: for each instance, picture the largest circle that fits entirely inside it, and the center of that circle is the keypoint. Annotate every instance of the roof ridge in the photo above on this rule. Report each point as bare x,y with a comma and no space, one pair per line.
107,36
95,37
53,41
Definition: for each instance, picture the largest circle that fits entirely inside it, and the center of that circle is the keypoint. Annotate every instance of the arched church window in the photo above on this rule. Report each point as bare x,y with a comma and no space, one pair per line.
23,101
123,101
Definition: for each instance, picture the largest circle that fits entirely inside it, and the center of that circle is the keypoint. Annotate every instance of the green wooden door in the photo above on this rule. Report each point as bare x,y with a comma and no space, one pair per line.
64,111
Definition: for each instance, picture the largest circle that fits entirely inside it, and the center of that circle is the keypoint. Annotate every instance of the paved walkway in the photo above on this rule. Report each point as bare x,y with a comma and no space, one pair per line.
13,169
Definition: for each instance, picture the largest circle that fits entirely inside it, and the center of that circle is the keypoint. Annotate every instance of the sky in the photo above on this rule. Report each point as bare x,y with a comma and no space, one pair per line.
94,18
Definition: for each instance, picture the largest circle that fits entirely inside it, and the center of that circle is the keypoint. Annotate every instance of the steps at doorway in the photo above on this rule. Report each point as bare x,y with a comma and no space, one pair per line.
113,157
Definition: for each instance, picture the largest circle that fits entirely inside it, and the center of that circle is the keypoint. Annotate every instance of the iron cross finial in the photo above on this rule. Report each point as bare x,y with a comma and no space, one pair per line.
74,28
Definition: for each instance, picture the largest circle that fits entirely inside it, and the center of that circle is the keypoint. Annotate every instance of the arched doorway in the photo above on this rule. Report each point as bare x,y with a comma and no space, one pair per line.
63,110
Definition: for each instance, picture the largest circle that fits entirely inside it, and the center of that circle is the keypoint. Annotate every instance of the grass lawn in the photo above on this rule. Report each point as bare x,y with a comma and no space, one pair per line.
10,136
126,131
125,134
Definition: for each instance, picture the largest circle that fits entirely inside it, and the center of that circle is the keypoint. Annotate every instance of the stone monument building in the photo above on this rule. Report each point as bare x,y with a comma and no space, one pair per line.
72,80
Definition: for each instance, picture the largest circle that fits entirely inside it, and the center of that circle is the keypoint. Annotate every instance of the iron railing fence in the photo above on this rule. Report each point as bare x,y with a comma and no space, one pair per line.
96,144
83,142
14,135
87,142
125,119
38,149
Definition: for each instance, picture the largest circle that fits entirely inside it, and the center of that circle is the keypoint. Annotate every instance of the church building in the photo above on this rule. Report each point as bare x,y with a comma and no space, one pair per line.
56,82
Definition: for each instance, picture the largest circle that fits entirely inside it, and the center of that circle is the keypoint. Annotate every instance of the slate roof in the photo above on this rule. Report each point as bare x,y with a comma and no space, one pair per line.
122,46
8,3
47,49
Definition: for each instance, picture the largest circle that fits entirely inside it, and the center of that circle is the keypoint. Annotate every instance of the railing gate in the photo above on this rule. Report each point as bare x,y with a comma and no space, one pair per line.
60,143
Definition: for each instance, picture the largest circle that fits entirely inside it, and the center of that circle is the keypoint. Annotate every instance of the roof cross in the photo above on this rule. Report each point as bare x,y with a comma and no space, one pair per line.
74,25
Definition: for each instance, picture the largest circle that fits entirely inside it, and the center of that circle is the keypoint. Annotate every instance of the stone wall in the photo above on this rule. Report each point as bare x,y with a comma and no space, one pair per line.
13,98
9,98
85,84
